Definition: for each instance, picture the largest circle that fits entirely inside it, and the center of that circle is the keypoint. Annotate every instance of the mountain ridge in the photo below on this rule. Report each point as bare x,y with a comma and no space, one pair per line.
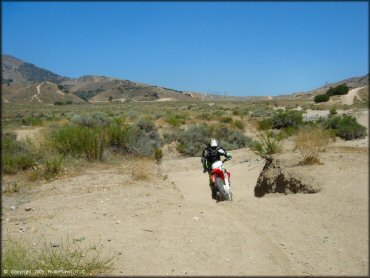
20,78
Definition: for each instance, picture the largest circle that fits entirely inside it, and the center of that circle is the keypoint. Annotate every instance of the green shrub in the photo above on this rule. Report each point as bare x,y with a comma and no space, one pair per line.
261,112
265,124
321,98
58,103
53,167
333,111
287,132
170,137
226,120
80,141
148,136
31,121
191,142
96,119
205,116
175,119
346,127
230,139
341,89
140,139
239,124
43,259
284,119
266,145
15,155
158,154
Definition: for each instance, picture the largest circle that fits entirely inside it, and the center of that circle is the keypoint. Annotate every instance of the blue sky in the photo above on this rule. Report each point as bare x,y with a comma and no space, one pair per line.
237,48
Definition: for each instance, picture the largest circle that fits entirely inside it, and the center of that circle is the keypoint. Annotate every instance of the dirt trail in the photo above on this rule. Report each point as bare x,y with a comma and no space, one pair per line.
350,96
36,96
169,225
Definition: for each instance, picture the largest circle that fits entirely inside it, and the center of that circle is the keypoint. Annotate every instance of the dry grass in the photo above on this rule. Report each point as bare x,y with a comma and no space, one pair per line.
44,259
142,168
310,142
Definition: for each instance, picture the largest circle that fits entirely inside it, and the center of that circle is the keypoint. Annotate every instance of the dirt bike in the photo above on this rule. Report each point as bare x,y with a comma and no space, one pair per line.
221,180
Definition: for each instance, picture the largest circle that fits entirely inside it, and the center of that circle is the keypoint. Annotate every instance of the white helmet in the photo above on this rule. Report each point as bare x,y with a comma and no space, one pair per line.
214,142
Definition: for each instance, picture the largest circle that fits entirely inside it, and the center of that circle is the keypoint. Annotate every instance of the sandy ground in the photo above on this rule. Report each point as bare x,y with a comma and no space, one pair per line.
169,225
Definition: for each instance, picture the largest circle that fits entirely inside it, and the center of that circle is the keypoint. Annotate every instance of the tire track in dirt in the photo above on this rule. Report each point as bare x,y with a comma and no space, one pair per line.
243,240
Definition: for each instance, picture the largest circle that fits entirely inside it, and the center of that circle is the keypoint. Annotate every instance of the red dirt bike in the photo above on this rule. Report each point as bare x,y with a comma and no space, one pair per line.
221,180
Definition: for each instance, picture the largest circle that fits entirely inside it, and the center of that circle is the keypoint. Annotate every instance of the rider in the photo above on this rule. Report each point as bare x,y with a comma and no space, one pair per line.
210,155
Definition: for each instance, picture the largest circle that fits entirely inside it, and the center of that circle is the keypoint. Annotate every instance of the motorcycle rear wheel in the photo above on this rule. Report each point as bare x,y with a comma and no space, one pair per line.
220,186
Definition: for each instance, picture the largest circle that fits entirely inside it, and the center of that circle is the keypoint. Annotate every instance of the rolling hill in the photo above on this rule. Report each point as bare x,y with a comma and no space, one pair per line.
24,82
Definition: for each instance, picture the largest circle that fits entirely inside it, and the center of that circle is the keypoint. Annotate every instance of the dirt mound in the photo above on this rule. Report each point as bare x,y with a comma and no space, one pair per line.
273,179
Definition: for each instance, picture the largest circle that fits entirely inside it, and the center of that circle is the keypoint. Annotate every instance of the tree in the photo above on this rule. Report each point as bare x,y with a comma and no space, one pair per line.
321,98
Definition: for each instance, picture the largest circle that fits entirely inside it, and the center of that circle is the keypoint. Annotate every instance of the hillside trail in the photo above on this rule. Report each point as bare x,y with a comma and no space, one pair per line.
36,96
350,96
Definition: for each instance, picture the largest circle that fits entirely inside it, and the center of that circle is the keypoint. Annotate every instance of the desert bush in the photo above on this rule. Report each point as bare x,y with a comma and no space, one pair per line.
31,121
333,111
80,141
205,116
11,187
53,167
191,142
265,124
170,137
230,139
132,115
287,132
147,137
283,119
142,168
15,155
261,112
346,127
310,142
239,124
96,119
70,256
139,139
158,154
34,175
218,112
321,98
341,89
175,119
267,145
226,120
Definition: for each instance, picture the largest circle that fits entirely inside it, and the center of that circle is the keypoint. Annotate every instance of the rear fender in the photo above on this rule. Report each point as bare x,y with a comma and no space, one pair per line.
218,172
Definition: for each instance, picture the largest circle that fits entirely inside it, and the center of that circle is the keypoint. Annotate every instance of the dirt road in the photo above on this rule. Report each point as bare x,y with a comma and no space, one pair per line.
349,97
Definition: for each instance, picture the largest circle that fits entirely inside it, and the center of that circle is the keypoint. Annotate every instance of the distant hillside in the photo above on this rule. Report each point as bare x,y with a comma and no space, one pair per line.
16,71
21,79
353,82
